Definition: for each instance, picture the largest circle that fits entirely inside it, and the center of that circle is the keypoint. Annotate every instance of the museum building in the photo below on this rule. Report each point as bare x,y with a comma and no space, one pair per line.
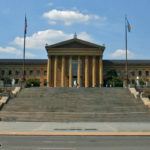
73,60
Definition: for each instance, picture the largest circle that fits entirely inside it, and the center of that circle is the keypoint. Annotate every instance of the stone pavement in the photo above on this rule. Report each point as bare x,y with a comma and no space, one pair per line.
82,127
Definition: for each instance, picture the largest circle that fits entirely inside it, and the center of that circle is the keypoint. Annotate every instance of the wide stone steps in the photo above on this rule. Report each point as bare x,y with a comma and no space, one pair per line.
71,104
77,108
75,104
73,117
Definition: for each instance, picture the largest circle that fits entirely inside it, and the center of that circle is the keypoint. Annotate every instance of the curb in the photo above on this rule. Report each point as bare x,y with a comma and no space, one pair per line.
77,133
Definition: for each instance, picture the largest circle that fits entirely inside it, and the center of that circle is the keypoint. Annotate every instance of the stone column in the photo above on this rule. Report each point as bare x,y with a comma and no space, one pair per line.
63,72
49,72
79,72
70,71
86,72
93,72
55,71
100,71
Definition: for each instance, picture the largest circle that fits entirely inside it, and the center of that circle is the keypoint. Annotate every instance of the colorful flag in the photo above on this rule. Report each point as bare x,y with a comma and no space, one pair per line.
25,30
129,27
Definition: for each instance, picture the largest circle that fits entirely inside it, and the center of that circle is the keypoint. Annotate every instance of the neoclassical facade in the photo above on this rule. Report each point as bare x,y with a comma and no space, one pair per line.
88,56
72,61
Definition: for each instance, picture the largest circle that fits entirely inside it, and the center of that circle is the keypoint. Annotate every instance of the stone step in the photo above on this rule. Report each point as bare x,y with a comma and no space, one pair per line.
72,104
76,99
74,108
111,98
67,116
67,104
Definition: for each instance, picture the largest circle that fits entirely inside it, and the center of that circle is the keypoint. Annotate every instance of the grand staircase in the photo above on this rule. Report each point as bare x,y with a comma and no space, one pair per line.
75,105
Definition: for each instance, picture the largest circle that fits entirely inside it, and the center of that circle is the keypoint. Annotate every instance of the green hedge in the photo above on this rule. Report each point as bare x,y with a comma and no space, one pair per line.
33,83
113,79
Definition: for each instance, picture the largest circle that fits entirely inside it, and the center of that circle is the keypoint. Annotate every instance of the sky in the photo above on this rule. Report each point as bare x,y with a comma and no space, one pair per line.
50,21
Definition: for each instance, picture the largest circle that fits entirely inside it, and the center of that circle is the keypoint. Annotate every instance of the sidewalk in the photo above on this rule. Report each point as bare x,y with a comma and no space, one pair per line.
74,128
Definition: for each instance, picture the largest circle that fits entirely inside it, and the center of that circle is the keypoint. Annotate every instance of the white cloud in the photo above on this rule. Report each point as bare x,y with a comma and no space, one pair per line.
84,36
13,50
38,40
10,50
50,4
119,53
69,17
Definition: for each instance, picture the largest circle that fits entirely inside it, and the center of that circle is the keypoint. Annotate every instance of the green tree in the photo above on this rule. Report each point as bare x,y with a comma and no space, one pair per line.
7,80
110,74
113,79
33,83
141,82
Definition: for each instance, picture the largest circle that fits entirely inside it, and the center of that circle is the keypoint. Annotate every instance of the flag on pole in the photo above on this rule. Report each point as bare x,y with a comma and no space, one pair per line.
128,25
25,30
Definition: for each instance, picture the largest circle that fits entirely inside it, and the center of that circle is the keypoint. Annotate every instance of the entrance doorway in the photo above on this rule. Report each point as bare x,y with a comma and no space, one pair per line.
74,71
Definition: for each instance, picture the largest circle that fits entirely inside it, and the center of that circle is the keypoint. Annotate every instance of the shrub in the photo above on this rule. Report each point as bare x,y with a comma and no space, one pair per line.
115,82
33,83
7,80
141,82
113,79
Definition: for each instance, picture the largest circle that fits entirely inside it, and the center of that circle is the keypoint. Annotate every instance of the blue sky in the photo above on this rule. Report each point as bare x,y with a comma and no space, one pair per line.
52,21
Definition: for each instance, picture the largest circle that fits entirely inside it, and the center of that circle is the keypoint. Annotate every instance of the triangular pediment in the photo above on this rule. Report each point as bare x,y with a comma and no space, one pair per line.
74,43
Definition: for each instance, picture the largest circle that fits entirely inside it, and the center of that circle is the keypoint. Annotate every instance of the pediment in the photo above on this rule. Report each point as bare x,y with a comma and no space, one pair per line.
74,43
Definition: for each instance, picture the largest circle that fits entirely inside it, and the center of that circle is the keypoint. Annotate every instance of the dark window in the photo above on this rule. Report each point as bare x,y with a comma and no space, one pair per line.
38,72
104,73
140,73
45,82
9,72
118,73
17,72
45,73
133,73
38,80
31,72
3,72
16,81
147,73
133,81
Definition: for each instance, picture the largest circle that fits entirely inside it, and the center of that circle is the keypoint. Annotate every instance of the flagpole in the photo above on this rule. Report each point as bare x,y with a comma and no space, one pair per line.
23,74
126,66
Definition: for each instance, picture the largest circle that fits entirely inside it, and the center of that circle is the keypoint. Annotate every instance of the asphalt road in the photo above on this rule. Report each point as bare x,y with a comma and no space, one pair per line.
74,142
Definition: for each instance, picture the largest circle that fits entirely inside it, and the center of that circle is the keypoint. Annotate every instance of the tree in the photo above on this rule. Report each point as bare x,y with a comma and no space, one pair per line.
113,79
7,80
33,83
141,82
110,74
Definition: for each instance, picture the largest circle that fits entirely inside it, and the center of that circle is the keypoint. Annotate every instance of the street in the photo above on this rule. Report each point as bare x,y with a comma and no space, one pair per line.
74,142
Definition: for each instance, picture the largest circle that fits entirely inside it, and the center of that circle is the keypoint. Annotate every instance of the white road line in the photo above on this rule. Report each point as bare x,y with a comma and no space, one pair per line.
57,148
59,141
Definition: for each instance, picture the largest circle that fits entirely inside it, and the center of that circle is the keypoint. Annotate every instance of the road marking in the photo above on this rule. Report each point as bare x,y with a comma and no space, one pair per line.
77,133
57,148
70,142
